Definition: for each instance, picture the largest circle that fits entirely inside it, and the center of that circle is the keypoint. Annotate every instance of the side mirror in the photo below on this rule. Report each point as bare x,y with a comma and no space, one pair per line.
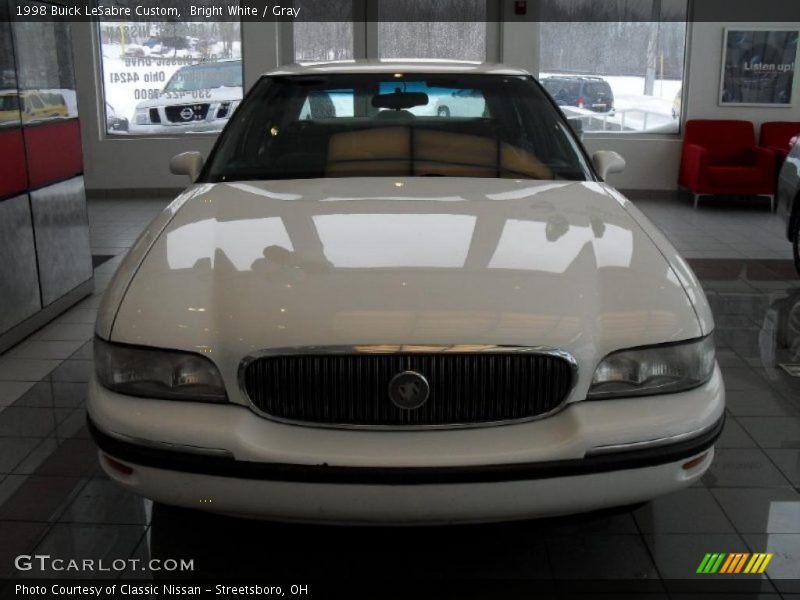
607,162
187,163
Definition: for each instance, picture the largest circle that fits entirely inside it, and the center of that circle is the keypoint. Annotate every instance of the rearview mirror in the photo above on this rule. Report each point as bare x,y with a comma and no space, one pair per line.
187,163
607,162
400,100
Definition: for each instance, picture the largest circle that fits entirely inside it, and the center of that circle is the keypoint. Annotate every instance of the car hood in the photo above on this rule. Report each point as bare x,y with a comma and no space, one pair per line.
233,268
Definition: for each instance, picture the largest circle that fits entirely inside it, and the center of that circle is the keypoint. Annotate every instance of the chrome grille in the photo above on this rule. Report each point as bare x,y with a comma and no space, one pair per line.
352,389
186,113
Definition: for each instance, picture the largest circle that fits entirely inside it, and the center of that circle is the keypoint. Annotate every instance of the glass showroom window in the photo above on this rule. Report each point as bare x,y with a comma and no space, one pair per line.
171,78
46,84
615,72
326,33
423,29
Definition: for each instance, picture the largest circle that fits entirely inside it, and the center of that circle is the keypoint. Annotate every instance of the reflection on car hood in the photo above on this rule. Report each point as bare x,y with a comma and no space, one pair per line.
221,94
246,266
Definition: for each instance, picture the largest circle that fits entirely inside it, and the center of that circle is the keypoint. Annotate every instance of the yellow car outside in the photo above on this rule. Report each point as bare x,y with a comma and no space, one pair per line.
39,105
9,108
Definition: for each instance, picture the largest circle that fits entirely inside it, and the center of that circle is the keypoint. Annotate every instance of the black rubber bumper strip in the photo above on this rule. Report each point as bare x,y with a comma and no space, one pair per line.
170,460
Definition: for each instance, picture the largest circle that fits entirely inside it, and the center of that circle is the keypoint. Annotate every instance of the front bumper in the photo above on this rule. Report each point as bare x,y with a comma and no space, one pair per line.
214,126
227,459
287,495
189,462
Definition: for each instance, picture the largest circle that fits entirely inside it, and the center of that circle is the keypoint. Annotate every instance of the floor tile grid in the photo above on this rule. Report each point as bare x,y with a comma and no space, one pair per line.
53,518
123,221
743,389
44,544
722,228
744,365
43,528
666,575
38,448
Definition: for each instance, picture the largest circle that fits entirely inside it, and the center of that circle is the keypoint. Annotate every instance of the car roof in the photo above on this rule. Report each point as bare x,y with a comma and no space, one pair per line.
397,65
212,63
573,78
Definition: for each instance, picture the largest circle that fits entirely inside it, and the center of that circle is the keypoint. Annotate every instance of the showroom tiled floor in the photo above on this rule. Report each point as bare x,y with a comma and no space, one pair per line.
55,500
720,227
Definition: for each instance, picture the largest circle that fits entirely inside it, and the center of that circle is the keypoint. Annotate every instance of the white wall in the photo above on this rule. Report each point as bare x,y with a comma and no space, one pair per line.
704,79
653,160
519,40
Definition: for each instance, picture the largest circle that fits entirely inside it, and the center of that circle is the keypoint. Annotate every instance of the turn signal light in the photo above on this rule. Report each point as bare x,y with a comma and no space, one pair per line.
119,467
694,462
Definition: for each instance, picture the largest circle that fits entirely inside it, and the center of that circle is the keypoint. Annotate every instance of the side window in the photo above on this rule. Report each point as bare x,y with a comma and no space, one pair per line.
343,102
638,94
465,103
328,105
305,111
170,78
177,83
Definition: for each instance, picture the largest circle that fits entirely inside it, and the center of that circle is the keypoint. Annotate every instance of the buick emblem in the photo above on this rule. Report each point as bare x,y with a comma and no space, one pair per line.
187,113
409,390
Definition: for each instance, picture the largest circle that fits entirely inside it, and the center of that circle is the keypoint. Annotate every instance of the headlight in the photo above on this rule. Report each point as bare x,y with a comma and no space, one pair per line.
155,373
141,117
659,369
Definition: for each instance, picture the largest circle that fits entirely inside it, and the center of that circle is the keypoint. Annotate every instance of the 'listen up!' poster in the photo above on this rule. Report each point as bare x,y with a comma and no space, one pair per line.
758,67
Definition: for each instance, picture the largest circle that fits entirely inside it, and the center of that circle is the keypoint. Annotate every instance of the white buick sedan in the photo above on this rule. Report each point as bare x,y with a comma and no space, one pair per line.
359,313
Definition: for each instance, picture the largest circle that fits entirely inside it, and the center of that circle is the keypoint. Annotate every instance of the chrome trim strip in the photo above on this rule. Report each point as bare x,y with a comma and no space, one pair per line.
198,450
654,443
406,349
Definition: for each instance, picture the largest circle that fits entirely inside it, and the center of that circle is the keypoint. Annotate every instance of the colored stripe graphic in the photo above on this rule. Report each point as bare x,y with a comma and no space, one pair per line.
731,564
758,564
716,564
740,562
734,563
704,563
763,567
711,563
727,564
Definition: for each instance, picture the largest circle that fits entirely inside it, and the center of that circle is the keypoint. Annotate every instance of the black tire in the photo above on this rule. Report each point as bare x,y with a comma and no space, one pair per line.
443,111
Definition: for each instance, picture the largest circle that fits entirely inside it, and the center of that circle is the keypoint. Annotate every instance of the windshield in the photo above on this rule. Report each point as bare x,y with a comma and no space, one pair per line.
387,125
204,77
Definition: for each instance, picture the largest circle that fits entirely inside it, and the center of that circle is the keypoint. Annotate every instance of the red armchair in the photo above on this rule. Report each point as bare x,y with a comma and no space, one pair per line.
721,157
776,135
